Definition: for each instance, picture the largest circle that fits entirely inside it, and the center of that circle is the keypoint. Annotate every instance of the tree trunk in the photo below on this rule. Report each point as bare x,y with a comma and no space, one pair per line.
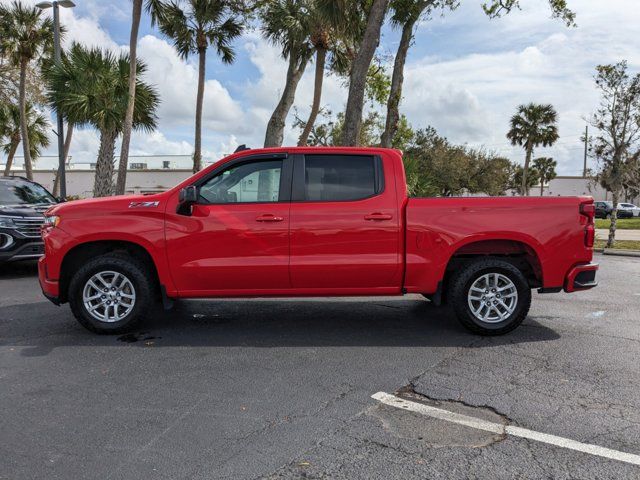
397,79
128,119
103,184
197,154
611,241
321,57
15,141
24,127
525,170
65,155
358,78
541,187
274,135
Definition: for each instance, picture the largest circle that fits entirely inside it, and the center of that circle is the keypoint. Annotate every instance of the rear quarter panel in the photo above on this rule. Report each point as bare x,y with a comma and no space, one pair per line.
438,227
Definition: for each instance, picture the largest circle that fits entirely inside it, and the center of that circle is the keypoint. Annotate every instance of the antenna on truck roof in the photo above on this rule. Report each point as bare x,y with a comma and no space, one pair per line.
241,148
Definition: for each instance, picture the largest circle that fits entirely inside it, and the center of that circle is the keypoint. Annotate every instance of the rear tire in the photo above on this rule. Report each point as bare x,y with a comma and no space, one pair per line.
490,296
111,294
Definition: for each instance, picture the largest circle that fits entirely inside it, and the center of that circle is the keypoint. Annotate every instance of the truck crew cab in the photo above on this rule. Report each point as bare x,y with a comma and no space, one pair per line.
313,222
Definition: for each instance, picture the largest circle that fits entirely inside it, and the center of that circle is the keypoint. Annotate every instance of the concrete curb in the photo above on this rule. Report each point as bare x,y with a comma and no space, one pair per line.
621,253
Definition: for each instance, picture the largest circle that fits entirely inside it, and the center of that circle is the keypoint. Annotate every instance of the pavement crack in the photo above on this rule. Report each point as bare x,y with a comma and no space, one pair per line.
410,393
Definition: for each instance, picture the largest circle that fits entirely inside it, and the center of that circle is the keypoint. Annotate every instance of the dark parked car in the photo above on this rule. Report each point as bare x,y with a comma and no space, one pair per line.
22,204
604,210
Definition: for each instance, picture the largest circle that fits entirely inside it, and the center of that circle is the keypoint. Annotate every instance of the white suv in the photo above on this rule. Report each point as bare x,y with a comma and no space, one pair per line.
630,207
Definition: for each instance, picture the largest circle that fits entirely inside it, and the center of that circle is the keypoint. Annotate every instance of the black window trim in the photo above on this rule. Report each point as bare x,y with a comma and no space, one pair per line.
298,188
286,175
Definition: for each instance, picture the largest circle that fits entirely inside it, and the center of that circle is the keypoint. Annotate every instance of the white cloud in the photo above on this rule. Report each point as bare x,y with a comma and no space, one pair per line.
156,143
177,82
85,30
264,94
523,57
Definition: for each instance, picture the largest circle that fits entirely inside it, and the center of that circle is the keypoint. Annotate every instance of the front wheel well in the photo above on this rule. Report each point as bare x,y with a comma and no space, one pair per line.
85,251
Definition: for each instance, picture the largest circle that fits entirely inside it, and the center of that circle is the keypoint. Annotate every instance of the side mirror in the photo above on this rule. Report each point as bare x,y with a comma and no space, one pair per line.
186,198
188,194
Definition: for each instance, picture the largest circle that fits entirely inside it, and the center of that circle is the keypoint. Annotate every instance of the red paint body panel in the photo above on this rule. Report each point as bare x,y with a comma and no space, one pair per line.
322,248
340,245
437,227
222,247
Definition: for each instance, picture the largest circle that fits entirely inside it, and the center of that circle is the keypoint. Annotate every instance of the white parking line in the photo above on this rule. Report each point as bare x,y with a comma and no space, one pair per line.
492,427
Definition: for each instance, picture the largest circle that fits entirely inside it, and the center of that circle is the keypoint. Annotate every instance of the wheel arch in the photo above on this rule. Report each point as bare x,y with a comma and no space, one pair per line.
80,253
520,254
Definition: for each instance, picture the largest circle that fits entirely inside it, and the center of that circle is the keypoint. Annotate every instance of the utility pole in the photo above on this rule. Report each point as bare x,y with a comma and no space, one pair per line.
586,141
62,180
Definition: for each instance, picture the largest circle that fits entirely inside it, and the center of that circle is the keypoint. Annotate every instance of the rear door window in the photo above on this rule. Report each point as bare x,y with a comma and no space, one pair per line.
337,178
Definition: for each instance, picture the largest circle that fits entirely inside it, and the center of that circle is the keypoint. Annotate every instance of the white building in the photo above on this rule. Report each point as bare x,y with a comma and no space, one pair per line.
571,186
146,174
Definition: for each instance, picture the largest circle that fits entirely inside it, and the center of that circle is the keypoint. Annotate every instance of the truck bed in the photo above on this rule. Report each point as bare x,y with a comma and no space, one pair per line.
551,230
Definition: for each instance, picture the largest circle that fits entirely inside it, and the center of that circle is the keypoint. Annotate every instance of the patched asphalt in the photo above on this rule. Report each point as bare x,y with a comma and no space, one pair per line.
282,388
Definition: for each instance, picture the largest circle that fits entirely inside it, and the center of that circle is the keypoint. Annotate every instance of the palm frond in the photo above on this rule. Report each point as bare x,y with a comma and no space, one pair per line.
90,87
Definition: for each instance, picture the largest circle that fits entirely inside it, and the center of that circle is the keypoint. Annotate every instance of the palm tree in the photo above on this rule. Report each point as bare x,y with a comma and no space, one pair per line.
24,36
286,24
37,127
360,68
533,125
320,39
406,14
546,169
193,29
330,38
90,87
515,174
152,7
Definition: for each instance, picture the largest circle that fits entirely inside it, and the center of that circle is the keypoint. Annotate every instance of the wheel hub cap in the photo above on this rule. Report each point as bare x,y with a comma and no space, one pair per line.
109,296
492,298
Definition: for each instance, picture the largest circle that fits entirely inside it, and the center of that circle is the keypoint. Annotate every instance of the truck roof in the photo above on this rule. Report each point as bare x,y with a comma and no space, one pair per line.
314,149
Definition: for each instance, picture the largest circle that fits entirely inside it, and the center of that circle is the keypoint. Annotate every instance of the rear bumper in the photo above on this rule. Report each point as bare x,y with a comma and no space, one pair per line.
581,277
50,288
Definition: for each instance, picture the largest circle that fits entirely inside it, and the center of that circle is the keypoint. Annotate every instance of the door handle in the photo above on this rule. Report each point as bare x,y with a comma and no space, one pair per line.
268,217
378,216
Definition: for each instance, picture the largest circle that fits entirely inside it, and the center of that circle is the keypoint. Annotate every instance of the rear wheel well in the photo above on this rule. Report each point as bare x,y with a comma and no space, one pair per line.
519,254
83,252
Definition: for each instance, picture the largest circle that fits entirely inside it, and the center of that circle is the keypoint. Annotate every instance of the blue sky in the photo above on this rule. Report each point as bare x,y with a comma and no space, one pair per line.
465,76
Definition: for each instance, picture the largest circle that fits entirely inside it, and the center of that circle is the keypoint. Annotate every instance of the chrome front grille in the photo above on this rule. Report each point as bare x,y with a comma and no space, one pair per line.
29,226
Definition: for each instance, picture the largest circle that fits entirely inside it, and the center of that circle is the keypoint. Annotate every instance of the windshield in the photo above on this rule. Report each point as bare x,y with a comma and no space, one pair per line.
22,192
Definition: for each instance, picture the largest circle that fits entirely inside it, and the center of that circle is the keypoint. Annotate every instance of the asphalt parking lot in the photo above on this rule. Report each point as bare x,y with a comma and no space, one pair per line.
282,388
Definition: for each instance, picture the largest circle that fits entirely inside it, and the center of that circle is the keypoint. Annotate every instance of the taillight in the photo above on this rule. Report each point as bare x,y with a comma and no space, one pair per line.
589,235
589,210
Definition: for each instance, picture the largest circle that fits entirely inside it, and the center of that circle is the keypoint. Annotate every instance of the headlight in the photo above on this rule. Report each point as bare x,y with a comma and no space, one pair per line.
52,221
6,222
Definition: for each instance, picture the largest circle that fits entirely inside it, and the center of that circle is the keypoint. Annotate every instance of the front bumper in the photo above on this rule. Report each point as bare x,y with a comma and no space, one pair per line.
50,288
581,277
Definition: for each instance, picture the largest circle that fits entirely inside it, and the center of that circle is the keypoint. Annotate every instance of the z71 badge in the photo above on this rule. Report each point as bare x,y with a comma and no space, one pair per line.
144,204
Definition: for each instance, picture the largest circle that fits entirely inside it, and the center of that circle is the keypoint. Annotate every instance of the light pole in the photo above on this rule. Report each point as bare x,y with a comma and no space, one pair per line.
57,55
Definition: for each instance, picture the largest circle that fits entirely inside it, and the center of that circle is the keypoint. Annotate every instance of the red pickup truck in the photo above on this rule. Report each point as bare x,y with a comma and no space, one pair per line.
313,222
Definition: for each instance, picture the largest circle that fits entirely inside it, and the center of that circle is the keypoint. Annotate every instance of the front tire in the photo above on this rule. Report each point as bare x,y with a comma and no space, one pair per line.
111,294
490,296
